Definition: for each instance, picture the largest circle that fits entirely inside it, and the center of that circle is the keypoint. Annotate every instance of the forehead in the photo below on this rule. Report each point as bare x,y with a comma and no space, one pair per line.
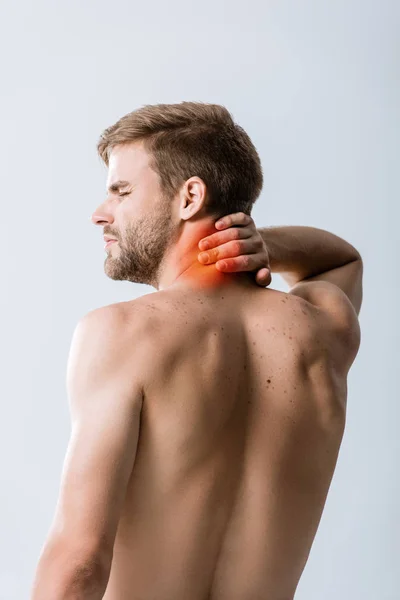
126,162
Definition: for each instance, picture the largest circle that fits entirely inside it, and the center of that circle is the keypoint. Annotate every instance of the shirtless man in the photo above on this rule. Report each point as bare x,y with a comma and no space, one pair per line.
206,417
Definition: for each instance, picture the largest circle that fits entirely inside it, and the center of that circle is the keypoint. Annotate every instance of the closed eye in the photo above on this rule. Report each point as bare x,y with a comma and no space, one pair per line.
124,194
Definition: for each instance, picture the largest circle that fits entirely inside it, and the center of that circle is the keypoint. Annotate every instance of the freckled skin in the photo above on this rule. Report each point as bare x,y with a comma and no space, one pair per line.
240,432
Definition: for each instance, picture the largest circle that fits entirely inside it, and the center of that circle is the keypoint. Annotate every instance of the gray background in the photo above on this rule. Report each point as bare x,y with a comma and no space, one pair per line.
316,86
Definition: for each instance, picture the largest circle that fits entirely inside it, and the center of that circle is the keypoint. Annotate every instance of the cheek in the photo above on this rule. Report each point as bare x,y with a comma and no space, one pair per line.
126,216
134,208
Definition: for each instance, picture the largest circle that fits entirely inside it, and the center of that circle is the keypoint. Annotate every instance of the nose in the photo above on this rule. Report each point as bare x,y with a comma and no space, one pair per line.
101,216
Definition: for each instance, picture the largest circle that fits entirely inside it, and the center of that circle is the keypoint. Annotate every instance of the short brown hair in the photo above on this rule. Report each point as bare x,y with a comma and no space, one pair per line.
194,139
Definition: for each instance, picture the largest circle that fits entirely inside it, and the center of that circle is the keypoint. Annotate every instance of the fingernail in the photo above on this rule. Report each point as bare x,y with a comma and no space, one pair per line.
205,245
219,223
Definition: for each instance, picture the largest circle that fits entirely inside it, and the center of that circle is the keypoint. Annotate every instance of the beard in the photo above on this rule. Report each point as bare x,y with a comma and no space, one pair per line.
142,248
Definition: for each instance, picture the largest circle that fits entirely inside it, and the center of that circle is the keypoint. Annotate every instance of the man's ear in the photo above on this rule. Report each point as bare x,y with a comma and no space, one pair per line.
192,197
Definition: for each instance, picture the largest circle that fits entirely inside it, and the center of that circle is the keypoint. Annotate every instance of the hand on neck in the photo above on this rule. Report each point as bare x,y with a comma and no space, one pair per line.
181,266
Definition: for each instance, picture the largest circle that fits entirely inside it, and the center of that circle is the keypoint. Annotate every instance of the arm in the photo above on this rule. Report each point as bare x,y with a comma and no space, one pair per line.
322,268
307,254
105,398
300,254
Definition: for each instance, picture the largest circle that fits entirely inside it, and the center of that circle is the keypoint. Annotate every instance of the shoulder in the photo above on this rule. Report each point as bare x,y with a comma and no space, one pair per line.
332,304
118,319
138,325
333,319
109,347
110,332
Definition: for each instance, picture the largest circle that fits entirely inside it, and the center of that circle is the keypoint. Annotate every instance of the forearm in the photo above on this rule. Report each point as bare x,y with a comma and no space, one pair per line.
301,252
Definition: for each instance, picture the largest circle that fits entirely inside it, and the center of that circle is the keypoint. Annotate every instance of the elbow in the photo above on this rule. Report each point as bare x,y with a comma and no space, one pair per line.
65,575
87,581
353,254
357,258
358,268
356,296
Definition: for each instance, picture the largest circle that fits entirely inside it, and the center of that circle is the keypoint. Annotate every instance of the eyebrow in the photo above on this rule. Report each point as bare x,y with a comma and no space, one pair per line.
114,187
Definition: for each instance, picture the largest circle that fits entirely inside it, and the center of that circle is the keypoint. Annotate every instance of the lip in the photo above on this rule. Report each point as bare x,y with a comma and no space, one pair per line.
109,243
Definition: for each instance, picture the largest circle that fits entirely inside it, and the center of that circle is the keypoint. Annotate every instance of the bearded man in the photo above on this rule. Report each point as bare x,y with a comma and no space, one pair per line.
207,416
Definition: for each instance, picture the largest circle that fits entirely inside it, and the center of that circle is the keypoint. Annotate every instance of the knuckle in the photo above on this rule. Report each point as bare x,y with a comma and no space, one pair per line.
216,239
236,233
220,238
237,246
245,260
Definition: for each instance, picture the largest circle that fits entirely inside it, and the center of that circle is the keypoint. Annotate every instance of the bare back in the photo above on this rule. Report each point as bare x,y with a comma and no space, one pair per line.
240,430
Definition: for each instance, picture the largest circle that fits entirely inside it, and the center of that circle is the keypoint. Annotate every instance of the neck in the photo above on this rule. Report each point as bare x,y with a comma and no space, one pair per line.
181,267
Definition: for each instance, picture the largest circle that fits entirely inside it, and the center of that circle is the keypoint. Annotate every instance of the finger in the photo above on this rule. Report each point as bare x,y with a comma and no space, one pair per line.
230,250
263,277
248,262
216,239
239,218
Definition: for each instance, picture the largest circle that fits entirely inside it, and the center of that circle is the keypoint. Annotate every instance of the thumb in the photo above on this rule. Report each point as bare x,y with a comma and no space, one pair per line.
263,277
